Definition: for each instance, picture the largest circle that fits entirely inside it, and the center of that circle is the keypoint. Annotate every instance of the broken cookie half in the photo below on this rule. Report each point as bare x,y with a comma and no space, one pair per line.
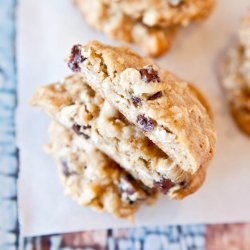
92,179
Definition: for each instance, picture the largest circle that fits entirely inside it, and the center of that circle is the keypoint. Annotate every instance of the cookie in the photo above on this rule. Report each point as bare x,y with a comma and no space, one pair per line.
92,179
151,25
165,13
235,78
164,107
74,104
118,26
236,84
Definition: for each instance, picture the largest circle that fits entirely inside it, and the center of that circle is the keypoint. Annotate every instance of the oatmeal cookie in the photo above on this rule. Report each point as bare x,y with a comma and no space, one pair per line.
74,104
163,13
92,179
118,26
150,24
164,107
235,78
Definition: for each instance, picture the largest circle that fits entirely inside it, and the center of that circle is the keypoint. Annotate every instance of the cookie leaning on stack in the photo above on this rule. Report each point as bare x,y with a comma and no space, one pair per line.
151,25
235,78
89,176
93,179
154,125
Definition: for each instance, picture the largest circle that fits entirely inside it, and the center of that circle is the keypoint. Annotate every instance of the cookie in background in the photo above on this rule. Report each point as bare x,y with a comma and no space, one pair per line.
235,77
151,25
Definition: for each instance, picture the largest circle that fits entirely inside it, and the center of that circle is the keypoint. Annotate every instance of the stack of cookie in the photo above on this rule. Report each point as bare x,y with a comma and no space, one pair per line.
124,129
150,24
236,78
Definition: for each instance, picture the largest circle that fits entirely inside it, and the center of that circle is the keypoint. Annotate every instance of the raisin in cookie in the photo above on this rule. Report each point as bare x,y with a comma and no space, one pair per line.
92,179
235,78
164,107
78,107
151,25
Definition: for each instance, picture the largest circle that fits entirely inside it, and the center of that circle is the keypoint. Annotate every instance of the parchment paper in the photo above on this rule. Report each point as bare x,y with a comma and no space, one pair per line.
46,31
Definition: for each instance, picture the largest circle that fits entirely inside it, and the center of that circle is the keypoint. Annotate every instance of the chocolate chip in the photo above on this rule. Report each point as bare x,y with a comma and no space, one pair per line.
85,136
164,185
65,168
78,130
75,58
146,124
155,96
137,101
86,127
149,75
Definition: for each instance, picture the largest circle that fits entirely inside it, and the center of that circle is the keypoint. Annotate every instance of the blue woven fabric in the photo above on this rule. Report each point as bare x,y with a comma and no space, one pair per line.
8,152
154,238
161,238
